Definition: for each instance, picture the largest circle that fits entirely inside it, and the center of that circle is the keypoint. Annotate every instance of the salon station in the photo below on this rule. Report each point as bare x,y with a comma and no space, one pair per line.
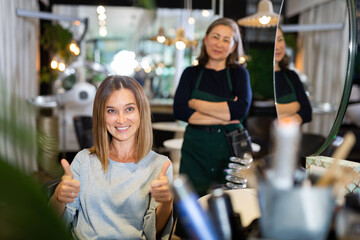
54,54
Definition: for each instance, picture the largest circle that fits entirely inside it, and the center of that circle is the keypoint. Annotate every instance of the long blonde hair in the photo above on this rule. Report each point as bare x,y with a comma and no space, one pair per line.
102,138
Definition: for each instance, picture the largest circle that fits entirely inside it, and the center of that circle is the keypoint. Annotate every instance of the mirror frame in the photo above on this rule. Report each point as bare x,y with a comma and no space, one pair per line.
348,78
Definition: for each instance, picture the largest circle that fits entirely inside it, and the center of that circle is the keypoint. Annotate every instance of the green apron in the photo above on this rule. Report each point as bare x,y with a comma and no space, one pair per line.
205,154
288,98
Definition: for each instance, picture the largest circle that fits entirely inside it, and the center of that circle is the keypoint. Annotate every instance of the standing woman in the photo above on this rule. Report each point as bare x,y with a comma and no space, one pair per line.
213,97
119,188
291,99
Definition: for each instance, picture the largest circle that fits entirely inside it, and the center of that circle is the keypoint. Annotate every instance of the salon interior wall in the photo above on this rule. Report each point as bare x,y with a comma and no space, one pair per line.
135,26
130,27
19,65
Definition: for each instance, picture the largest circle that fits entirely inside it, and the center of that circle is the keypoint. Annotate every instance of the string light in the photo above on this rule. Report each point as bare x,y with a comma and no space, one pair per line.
54,64
102,23
61,67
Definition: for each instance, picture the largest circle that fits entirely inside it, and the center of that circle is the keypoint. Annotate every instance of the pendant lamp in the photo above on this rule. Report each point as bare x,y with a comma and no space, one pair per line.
181,41
161,38
264,17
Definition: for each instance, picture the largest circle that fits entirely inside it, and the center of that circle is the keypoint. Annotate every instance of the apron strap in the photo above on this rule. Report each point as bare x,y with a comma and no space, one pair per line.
288,81
198,80
229,79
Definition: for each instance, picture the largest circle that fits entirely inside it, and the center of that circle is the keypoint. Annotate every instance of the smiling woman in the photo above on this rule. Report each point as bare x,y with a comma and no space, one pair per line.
119,173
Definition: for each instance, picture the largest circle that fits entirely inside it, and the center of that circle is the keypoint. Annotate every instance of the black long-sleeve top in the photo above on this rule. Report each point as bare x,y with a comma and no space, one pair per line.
214,82
282,88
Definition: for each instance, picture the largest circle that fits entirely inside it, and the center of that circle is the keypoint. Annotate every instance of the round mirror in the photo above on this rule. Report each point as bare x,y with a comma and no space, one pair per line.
313,67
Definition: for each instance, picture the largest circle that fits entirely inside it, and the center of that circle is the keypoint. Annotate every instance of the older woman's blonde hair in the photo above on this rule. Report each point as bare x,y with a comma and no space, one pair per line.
102,138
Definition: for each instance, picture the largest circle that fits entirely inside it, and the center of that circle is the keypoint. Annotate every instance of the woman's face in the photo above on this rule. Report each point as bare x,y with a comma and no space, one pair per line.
279,46
122,115
219,43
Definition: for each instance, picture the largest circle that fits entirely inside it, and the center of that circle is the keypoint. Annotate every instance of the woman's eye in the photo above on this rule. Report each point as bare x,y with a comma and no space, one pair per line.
111,111
130,109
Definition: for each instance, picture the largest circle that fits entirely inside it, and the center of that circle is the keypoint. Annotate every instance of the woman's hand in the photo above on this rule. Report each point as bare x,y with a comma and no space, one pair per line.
287,109
160,189
66,191
68,188
192,103
218,110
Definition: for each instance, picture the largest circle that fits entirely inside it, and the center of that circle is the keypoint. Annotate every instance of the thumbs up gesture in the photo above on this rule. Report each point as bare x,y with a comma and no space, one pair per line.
68,188
160,189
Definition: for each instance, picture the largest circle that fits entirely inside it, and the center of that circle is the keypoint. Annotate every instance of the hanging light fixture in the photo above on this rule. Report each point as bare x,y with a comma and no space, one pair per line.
161,38
181,41
264,17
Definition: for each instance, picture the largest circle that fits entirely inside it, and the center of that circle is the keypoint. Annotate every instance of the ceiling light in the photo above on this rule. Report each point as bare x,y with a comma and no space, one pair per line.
102,31
205,13
181,42
264,17
54,64
180,45
191,20
61,67
100,10
102,17
161,38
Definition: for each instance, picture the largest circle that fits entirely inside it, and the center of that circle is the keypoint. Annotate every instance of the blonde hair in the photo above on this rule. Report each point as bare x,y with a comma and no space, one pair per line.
102,138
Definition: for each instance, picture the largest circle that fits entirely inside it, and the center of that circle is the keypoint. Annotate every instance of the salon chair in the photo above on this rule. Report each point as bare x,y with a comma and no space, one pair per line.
259,131
83,130
50,186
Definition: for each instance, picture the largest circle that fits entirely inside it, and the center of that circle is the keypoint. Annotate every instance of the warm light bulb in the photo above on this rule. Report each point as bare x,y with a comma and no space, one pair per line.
100,10
205,13
195,62
147,70
191,20
242,60
160,39
180,45
102,31
53,64
73,47
102,17
61,67
76,51
265,20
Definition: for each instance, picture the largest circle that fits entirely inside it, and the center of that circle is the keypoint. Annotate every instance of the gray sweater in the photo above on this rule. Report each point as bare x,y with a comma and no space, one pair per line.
118,204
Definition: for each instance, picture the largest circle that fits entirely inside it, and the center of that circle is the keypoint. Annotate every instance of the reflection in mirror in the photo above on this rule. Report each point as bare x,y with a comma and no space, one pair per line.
318,46
291,99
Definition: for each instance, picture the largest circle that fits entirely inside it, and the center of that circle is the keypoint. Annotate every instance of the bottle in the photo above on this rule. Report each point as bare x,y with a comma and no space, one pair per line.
286,134
197,221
